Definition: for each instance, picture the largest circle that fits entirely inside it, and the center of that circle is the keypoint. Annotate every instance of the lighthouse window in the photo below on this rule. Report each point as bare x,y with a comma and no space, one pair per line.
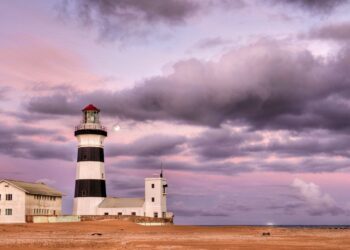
152,185
155,215
133,213
83,192
9,197
152,199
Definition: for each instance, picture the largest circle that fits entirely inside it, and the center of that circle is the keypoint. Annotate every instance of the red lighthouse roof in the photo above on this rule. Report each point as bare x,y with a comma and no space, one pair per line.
91,107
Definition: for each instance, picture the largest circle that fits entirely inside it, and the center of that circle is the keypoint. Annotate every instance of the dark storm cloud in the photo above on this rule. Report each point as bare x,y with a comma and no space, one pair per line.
264,86
334,31
222,143
154,163
12,143
56,105
324,6
150,145
120,19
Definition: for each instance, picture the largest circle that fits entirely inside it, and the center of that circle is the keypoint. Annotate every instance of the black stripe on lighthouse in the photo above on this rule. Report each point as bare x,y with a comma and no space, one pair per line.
90,154
90,132
90,188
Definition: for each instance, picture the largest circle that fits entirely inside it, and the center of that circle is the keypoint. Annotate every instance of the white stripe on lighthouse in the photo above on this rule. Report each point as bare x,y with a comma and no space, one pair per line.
90,170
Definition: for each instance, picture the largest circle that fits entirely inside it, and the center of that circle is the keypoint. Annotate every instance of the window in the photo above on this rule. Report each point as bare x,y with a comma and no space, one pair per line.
163,215
120,213
0,197
152,185
155,215
133,213
152,199
9,197
106,213
8,211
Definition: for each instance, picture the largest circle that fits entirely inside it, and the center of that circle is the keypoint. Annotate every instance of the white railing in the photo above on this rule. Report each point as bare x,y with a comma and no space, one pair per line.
90,126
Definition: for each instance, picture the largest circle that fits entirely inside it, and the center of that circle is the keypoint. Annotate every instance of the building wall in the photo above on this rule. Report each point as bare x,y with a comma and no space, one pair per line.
159,204
17,204
43,205
91,171
124,210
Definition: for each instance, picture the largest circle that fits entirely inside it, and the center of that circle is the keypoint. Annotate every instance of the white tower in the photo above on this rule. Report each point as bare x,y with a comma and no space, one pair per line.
90,184
155,196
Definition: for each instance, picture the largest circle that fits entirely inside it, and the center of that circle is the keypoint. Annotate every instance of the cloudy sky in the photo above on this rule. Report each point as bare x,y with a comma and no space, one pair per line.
245,102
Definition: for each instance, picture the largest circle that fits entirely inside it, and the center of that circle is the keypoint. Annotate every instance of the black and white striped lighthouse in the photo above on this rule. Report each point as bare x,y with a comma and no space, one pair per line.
90,184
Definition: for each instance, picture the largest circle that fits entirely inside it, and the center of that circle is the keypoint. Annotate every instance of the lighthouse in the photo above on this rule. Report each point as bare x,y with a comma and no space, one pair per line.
90,183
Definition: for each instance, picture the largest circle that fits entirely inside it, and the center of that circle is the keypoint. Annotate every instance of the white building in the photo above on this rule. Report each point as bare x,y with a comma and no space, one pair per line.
19,199
90,186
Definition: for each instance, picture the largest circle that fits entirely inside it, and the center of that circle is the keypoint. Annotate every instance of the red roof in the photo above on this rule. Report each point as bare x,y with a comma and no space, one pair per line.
91,107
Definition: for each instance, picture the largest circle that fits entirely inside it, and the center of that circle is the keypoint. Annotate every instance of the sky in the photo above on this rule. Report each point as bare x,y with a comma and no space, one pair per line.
245,103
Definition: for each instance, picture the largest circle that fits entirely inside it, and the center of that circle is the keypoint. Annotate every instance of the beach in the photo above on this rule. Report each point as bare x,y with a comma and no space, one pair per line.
118,234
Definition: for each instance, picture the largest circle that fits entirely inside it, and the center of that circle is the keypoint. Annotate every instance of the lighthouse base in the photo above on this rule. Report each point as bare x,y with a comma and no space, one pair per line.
86,205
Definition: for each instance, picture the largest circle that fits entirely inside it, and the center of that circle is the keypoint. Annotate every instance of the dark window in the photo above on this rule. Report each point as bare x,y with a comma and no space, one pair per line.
152,185
133,213
9,197
120,213
106,213
8,211
0,197
155,215
152,199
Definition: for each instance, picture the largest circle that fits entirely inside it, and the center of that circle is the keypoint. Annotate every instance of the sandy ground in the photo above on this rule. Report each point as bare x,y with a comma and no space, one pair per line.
113,234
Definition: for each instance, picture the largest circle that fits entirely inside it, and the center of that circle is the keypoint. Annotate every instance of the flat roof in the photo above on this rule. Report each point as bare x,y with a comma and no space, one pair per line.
112,202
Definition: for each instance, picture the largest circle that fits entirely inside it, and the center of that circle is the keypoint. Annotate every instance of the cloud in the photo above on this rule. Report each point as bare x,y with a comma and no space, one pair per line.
221,143
211,42
150,145
188,212
320,6
317,203
153,163
334,31
123,19
267,85
19,142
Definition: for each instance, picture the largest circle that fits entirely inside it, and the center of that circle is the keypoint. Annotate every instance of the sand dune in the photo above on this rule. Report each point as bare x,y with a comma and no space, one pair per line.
114,234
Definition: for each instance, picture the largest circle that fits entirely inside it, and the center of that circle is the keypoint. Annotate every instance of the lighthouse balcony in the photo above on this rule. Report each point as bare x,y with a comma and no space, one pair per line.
92,128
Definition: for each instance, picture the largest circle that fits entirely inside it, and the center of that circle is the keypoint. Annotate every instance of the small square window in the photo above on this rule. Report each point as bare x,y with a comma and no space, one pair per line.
155,215
133,213
152,199
152,185
8,211
120,213
9,197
